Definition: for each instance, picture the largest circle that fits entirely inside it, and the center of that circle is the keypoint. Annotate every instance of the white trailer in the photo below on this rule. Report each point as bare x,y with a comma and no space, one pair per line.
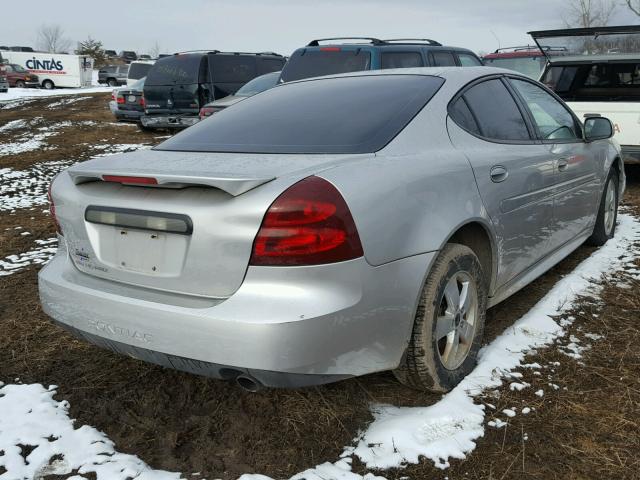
54,69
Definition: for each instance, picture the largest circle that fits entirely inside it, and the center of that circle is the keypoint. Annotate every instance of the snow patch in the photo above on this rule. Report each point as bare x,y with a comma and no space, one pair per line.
397,435
40,255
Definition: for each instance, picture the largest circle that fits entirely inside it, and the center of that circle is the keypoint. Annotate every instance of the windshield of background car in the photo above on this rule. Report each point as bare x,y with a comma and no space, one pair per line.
595,81
307,63
19,69
359,114
529,66
139,70
175,70
259,84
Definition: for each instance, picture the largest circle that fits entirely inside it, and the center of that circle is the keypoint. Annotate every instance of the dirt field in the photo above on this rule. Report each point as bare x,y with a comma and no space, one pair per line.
588,428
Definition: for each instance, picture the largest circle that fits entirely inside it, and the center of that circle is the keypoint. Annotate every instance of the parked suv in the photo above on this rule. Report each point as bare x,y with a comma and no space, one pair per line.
113,75
599,76
178,86
326,57
20,77
128,56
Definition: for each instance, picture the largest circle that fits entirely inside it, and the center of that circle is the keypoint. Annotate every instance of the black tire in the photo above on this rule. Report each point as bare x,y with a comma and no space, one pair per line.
48,85
423,366
603,229
19,84
112,82
142,128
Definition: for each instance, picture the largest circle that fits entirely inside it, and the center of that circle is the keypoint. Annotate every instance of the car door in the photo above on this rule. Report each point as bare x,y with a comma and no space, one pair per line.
576,185
514,172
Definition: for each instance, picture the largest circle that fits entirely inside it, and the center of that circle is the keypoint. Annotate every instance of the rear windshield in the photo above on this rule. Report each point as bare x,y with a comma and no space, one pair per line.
529,66
308,63
338,115
139,70
608,82
175,70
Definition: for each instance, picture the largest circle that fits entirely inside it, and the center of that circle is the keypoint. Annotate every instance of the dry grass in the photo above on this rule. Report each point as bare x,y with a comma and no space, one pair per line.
181,422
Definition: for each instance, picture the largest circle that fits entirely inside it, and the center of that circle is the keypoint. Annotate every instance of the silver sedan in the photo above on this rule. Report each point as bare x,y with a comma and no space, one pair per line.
332,227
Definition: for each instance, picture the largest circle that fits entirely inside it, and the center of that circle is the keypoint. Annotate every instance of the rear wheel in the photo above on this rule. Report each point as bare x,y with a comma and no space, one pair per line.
112,82
449,323
605,227
20,84
48,84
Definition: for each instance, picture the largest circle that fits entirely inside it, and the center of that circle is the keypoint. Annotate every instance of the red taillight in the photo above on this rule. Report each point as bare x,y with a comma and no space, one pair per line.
130,180
206,112
120,100
142,103
308,224
52,210
330,49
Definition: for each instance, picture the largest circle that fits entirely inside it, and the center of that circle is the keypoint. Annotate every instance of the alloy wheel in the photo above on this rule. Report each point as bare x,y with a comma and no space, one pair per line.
456,322
610,208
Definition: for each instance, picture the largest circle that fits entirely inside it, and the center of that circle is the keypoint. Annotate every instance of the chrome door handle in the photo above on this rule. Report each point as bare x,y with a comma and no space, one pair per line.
498,174
563,163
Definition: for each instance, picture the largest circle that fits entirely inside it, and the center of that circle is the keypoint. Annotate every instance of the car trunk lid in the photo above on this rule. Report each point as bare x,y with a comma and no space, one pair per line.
173,221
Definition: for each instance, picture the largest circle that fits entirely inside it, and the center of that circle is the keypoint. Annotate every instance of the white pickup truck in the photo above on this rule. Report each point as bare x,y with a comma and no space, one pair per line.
599,76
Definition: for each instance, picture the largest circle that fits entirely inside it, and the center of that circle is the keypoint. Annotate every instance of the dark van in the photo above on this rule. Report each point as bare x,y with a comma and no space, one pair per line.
178,85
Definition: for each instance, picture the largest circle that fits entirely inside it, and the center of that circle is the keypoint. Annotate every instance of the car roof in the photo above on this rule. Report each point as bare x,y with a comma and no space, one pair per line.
388,46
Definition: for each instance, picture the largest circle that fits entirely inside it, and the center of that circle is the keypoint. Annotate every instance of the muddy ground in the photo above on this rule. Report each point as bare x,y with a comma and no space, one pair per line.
587,428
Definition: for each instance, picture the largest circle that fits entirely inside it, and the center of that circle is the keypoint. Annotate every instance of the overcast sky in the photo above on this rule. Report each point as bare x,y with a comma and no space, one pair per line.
281,25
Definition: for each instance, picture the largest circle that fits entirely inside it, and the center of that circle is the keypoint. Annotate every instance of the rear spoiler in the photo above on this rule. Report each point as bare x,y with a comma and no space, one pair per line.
232,185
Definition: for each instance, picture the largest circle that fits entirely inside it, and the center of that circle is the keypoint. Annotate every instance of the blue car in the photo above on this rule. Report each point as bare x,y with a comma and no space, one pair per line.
326,57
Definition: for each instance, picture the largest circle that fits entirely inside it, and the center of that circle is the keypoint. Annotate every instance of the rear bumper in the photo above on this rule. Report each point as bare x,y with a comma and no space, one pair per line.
168,121
284,326
129,115
631,154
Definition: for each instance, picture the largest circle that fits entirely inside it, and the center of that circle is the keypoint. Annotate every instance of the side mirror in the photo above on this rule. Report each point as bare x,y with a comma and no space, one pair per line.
597,128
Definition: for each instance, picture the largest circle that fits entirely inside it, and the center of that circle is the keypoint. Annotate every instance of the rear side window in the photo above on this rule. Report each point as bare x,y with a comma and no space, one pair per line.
337,115
400,60
309,63
232,68
496,111
468,60
443,59
461,114
607,82
175,70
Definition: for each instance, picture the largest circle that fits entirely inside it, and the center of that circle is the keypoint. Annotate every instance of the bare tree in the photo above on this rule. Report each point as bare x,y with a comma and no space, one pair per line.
155,50
51,39
588,13
634,6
